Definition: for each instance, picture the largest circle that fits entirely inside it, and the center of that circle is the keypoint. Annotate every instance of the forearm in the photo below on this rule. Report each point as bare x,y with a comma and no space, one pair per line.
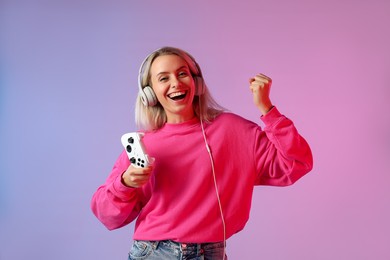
114,204
287,156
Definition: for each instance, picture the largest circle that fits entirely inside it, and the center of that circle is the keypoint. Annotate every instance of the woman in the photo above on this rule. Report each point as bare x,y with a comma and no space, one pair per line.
198,191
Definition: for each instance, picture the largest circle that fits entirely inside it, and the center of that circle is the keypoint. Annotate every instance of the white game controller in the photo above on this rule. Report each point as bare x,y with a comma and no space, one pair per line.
136,150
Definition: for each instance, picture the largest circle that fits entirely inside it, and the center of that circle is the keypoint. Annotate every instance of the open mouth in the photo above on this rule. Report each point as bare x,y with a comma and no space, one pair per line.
178,95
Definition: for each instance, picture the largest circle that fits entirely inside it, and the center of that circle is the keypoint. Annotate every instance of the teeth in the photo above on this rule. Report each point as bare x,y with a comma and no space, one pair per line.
172,95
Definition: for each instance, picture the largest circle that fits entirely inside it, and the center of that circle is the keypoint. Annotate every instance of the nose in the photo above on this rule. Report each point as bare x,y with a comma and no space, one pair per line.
175,81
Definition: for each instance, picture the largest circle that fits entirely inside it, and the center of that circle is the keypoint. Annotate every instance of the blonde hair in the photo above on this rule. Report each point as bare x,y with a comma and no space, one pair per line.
154,117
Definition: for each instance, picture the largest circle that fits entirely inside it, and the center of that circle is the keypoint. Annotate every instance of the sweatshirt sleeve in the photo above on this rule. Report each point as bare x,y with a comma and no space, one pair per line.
283,156
115,204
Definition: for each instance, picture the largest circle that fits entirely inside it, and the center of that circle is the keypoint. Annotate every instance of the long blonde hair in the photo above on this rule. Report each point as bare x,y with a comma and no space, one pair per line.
154,117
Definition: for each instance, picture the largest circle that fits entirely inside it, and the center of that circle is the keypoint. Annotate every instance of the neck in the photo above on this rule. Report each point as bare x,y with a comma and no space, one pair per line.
179,119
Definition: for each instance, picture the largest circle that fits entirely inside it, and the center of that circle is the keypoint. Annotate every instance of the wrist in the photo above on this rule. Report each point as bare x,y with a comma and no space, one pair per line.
125,182
265,109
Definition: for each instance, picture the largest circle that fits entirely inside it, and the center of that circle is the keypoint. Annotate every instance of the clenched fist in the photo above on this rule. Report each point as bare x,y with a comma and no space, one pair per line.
260,85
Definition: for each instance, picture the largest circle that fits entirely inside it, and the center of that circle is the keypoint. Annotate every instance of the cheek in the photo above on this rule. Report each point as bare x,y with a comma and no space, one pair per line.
191,82
160,92
159,89
160,96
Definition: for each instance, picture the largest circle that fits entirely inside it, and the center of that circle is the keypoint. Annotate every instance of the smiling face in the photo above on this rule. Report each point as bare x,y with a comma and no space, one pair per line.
174,87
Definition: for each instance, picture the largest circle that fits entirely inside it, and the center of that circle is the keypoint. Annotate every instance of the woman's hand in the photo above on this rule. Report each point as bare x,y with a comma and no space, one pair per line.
136,177
260,85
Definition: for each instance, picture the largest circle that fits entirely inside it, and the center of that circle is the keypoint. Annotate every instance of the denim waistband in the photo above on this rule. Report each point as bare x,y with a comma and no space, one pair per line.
186,246
168,249
190,249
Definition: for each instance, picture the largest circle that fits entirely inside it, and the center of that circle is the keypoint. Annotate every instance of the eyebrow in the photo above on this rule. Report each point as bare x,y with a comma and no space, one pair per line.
165,72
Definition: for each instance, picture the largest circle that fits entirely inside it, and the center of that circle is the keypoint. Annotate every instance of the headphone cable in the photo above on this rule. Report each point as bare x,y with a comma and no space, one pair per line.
215,180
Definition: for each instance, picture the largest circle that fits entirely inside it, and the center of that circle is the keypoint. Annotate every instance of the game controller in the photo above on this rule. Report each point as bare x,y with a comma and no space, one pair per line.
132,142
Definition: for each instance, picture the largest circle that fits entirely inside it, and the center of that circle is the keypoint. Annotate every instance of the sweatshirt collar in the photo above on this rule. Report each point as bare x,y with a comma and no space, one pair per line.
179,127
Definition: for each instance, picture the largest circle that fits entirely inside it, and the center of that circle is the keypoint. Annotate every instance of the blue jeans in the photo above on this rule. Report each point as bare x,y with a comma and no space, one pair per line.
170,250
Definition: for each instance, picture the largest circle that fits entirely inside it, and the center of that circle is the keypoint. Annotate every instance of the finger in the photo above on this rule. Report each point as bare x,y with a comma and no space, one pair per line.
259,76
264,76
257,85
140,170
261,80
255,88
139,179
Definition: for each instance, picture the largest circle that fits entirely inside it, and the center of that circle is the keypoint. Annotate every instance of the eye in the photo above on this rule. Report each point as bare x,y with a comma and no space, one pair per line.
183,74
163,79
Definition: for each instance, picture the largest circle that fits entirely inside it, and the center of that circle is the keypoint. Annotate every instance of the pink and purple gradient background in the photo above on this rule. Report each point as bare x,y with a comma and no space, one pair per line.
68,82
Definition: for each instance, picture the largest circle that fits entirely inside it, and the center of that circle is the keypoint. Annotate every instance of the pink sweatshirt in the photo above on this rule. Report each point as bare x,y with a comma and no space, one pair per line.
179,202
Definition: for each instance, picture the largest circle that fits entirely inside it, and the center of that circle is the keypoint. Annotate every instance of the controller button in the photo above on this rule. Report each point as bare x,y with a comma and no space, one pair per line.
130,140
132,160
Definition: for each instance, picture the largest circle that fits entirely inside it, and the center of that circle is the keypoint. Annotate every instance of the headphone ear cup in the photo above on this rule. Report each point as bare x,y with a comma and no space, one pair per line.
199,86
148,96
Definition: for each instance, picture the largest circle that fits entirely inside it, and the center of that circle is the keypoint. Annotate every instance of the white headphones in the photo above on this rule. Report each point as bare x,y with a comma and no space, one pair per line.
147,94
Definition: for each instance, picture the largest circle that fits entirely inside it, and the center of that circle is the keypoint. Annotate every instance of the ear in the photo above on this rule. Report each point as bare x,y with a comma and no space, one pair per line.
148,96
199,86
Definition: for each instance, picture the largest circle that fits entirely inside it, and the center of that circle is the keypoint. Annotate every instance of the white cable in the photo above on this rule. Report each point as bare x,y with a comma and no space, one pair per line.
216,187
